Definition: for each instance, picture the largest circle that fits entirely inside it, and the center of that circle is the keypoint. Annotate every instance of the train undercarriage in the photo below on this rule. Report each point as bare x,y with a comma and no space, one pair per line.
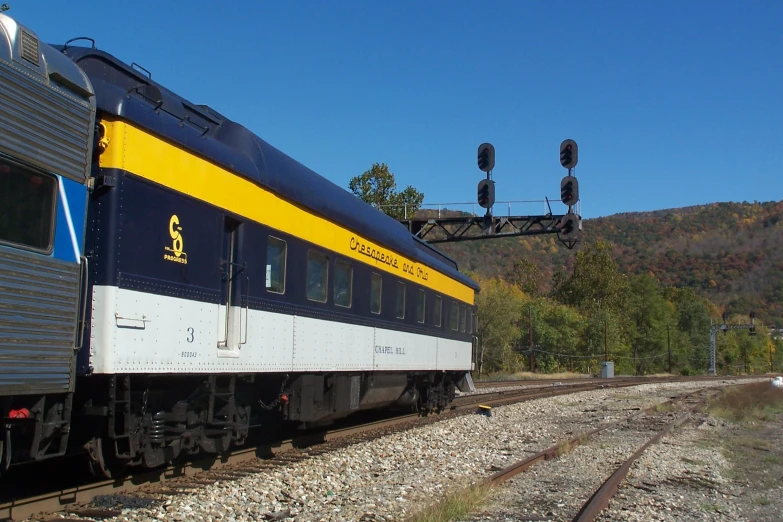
36,427
145,421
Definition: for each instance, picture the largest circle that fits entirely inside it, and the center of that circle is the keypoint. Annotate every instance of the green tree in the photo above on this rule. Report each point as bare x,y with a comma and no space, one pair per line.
649,315
690,345
525,275
499,313
378,188
596,283
775,351
557,329
605,334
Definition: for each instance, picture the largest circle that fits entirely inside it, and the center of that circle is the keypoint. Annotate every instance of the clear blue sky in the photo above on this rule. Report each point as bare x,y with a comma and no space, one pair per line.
672,103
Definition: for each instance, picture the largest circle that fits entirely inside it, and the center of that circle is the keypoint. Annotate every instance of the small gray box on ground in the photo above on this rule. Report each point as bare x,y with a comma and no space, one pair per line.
607,370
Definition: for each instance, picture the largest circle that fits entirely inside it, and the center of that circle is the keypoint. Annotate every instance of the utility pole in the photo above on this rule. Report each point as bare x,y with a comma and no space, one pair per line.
769,345
530,331
606,351
669,348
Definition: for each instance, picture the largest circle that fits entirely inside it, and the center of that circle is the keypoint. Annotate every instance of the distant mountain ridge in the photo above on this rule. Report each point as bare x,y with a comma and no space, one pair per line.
729,252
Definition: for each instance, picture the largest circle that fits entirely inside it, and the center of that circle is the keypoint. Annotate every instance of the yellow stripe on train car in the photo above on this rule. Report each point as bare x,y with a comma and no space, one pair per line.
147,156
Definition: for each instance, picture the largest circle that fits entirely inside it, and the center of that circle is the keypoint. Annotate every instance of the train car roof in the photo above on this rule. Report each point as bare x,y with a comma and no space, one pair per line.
125,92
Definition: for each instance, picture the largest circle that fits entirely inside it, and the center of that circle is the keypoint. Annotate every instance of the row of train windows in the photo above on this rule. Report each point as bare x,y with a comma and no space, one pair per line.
317,282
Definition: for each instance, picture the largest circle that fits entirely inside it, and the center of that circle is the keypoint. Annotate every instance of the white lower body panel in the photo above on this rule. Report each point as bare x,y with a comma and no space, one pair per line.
137,332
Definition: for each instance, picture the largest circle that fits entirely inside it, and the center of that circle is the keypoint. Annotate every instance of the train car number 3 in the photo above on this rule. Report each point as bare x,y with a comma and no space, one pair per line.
190,338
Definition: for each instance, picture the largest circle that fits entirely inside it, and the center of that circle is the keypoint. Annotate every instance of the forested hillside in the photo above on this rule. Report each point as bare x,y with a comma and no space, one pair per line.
731,253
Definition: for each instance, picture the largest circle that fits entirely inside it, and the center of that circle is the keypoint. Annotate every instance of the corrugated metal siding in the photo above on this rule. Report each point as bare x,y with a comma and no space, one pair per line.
38,301
42,126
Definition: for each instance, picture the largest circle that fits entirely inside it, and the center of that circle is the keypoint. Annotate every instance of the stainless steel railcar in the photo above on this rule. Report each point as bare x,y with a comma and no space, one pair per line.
47,112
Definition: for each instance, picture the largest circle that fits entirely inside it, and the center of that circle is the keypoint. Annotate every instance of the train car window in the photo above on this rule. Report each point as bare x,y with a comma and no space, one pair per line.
420,306
436,313
454,316
376,285
400,300
462,315
470,320
27,200
317,276
343,283
276,250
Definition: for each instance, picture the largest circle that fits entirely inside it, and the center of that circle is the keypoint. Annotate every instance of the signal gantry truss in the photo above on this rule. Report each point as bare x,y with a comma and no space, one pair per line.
471,228
568,227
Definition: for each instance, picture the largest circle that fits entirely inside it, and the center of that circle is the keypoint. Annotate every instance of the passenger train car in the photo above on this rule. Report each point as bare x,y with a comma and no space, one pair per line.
47,113
170,280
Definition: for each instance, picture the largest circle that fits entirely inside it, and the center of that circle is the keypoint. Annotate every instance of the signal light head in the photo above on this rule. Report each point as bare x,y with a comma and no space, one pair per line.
569,190
486,193
483,159
486,157
569,154
483,195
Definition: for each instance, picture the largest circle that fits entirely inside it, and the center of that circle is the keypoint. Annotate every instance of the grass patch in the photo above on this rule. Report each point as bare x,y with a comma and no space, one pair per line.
568,445
758,401
455,506
772,459
664,407
564,447
755,443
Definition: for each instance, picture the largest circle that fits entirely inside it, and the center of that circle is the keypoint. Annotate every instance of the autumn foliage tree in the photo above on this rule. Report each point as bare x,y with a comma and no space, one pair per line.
596,282
499,313
641,324
525,275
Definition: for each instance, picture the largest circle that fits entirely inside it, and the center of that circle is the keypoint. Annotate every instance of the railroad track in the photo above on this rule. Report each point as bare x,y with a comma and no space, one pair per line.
600,499
187,477
688,403
550,382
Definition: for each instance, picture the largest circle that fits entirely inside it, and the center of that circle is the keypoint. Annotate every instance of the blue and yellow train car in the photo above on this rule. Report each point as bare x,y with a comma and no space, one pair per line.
230,285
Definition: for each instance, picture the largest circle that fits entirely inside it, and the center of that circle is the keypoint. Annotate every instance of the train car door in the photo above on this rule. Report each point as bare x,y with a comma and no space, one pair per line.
232,315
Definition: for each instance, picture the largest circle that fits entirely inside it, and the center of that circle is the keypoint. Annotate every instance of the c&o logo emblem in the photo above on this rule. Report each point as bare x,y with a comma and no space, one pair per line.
176,252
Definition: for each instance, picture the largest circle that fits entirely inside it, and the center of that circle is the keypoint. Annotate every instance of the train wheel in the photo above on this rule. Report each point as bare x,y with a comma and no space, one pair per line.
103,464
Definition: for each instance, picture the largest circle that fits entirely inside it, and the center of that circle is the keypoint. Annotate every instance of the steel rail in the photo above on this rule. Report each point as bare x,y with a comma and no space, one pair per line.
553,451
579,380
604,494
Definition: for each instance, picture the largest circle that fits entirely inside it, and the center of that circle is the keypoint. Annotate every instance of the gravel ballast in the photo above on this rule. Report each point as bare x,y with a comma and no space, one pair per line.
390,477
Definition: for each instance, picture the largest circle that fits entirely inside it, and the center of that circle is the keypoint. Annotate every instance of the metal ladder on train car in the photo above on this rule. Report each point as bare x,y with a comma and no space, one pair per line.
121,409
221,400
